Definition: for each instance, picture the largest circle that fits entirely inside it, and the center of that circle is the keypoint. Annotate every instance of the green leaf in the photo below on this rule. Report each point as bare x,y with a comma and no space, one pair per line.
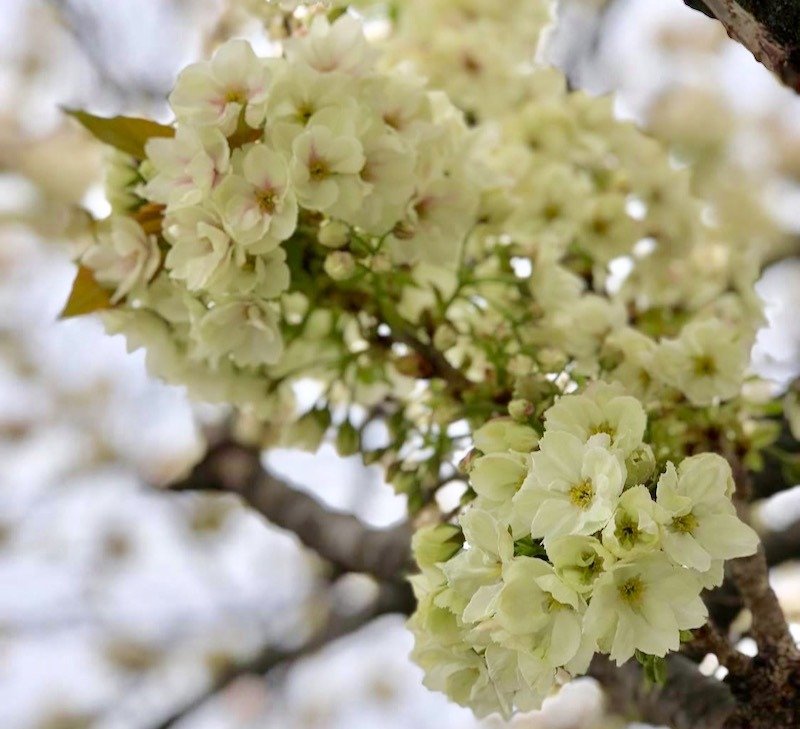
687,636
528,547
125,133
654,667
86,297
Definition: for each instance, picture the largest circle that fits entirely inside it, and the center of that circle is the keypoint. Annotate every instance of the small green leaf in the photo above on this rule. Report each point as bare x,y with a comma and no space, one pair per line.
686,636
348,440
528,547
654,667
87,295
125,133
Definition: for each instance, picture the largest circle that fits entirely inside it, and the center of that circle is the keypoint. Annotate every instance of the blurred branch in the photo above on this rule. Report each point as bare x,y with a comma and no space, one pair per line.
772,478
688,700
341,539
391,598
782,545
83,26
769,29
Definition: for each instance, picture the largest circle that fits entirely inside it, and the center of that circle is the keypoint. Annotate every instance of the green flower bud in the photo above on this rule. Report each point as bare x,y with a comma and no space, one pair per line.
521,410
640,465
334,234
340,265
504,434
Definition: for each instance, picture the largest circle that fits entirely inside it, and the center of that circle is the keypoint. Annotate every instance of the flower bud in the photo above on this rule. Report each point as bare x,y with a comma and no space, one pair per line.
333,234
381,262
503,434
340,265
521,410
403,230
466,463
640,465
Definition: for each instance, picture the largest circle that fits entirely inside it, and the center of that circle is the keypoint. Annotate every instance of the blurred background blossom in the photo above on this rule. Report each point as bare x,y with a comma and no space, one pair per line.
120,605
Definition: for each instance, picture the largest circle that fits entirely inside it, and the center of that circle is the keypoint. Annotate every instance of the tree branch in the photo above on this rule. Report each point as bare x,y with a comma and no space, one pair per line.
341,539
769,29
391,598
688,700
751,577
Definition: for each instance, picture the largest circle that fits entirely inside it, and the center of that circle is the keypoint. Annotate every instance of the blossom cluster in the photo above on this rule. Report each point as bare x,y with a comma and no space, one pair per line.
221,232
576,542
518,261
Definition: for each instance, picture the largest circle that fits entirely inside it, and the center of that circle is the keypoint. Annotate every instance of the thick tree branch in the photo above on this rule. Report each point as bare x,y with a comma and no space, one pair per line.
769,29
341,539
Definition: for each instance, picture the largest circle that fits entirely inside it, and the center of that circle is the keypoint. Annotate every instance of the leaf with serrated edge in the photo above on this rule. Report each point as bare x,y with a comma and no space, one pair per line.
125,133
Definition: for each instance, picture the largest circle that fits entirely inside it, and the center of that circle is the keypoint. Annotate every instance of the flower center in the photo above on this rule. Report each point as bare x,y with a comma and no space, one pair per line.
235,96
581,494
304,112
685,524
627,532
631,591
592,566
266,201
704,365
603,427
318,169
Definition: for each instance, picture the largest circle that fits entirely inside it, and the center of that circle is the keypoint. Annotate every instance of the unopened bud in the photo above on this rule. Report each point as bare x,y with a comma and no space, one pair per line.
340,265
334,234
521,410
466,463
403,230
640,465
381,262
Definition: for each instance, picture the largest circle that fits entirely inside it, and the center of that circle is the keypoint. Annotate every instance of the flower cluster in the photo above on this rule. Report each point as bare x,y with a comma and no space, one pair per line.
517,264
576,542
220,231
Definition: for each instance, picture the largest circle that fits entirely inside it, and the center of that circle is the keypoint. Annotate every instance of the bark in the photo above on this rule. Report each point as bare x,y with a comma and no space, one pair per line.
769,29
